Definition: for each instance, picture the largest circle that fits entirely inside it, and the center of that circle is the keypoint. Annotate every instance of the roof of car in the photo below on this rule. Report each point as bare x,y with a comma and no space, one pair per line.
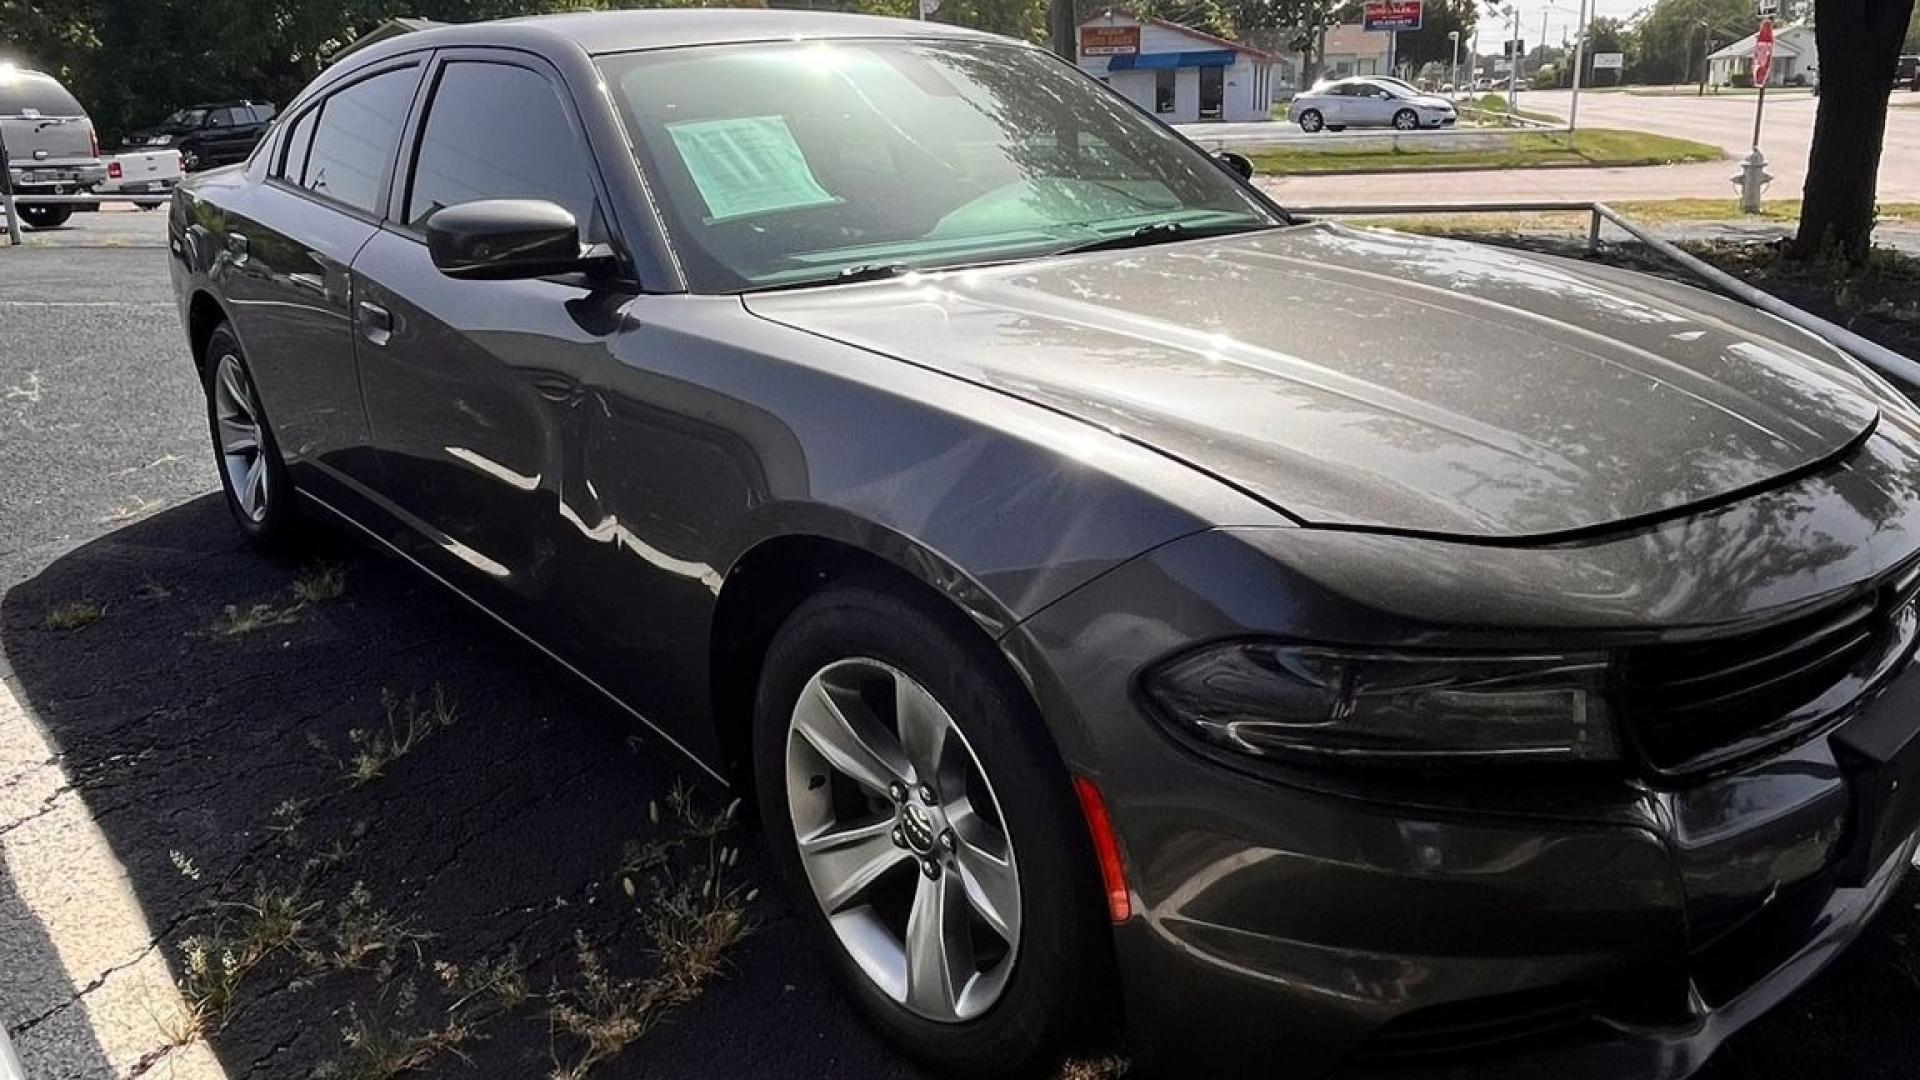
626,31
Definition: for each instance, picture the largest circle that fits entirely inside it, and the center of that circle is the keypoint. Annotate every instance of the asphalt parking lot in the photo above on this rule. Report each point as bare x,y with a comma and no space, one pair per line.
205,872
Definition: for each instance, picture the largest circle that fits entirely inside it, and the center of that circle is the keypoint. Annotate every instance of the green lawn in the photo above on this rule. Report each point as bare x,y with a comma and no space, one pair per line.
1527,150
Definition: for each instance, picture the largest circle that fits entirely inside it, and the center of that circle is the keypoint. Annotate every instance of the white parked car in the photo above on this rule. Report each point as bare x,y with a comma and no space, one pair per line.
1367,101
142,172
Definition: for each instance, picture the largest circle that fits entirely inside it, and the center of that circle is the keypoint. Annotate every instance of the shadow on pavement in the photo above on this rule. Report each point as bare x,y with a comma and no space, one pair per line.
217,764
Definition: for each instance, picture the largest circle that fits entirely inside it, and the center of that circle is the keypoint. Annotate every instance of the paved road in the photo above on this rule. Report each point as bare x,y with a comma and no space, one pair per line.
1725,121
159,774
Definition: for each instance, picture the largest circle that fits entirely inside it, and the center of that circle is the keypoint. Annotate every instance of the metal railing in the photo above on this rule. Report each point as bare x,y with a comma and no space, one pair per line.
1904,371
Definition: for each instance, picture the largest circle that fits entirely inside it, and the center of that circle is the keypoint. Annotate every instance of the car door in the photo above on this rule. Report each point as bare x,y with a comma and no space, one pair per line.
1372,106
472,387
1338,104
283,259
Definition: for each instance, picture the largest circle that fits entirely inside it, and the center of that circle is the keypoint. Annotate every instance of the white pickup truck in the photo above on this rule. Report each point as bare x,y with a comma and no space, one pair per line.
142,172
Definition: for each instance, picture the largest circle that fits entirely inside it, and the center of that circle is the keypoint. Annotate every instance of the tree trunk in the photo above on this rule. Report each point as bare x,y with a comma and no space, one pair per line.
1859,46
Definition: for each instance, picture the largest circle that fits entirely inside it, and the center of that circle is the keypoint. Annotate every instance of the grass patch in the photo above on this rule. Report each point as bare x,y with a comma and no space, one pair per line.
1106,1068
74,615
213,965
1525,150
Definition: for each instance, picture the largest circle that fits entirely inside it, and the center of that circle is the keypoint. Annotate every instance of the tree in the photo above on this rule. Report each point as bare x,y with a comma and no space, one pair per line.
1859,43
1300,23
1429,44
1672,38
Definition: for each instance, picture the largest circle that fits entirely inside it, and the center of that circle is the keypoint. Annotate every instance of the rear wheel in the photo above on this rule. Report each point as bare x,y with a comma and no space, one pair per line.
252,474
41,216
928,831
1311,120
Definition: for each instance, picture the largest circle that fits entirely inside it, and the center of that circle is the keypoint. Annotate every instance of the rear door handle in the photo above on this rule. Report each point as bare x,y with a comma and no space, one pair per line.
376,322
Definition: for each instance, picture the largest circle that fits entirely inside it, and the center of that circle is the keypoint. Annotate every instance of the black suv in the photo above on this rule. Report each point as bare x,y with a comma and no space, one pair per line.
207,135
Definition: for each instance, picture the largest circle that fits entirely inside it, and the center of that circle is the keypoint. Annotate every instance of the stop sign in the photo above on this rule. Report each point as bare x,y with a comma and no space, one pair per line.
1763,53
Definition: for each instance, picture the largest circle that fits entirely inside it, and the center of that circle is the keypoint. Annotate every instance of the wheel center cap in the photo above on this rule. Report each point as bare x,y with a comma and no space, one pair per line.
917,828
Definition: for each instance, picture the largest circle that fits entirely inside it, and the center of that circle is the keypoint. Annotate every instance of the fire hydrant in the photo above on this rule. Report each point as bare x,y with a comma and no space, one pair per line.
1753,179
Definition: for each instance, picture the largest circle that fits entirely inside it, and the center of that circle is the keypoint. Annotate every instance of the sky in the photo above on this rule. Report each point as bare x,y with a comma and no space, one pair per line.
1562,16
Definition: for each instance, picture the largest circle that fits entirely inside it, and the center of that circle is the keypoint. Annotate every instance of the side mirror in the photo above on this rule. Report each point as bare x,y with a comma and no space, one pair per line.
504,238
1237,164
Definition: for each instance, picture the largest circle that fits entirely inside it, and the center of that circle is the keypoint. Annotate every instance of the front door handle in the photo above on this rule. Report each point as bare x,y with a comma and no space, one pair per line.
237,248
376,322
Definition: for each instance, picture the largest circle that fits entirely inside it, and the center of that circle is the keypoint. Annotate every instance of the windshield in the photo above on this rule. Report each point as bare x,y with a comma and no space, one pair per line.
794,162
186,118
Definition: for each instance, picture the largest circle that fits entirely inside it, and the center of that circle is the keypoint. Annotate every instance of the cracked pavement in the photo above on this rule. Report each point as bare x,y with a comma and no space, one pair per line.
147,762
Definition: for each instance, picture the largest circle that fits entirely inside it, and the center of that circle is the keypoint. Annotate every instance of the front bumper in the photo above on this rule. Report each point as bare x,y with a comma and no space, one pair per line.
1526,922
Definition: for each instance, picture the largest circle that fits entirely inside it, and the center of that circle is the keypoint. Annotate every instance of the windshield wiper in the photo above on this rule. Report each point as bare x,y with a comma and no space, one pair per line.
846,276
1158,232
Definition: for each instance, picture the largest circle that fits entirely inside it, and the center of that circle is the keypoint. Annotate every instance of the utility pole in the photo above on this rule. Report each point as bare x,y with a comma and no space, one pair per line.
1579,65
1061,30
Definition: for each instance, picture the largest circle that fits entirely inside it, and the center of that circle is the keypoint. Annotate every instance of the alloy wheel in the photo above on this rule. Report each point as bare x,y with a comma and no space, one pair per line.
1405,121
902,839
237,429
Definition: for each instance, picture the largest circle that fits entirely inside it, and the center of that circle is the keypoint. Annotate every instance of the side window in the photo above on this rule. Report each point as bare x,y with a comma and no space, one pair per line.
355,137
498,131
293,158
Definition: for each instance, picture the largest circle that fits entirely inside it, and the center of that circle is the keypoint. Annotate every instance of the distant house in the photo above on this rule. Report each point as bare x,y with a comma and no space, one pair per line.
1179,74
1796,58
1350,50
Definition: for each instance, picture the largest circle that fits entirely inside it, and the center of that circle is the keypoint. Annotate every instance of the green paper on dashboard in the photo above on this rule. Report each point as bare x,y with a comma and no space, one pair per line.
747,165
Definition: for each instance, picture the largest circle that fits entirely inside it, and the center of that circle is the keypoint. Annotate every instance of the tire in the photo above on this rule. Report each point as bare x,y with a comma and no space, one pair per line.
1311,121
858,642
189,158
1406,120
252,474
42,216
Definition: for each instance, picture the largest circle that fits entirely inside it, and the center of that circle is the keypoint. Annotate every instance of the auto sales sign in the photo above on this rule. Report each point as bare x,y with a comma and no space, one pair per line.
1391,15
1110,40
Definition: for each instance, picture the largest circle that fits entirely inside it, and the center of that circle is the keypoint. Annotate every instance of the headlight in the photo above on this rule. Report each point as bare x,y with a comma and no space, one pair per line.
1277,699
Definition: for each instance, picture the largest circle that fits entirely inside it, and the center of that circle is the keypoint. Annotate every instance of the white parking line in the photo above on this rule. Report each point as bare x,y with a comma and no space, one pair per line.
84,989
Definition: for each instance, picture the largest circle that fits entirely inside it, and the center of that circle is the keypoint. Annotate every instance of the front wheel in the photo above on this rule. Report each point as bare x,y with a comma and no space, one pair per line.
1406,120
1311,121
43,216
189,159
252,474
929,832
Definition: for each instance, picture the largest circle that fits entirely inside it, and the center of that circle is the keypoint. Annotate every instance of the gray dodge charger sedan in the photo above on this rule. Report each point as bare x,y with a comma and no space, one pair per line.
1326,650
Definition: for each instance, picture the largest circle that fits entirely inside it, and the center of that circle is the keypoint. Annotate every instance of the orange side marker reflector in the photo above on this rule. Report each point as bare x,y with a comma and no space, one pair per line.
1106,847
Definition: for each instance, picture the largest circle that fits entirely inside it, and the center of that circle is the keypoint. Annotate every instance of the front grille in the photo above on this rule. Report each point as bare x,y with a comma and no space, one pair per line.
1692,706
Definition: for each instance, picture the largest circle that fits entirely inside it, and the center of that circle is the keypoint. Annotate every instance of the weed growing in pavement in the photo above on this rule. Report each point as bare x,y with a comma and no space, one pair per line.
1106,1068
237,622
363,932
380,1050
693,914
213,965
74,615
184,863
153,590
319,583
409,723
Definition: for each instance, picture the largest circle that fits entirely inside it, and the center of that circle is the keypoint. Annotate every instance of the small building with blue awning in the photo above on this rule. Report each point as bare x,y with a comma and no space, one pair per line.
1179,74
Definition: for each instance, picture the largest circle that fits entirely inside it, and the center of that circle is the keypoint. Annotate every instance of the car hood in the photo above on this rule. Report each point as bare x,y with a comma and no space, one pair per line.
1368,379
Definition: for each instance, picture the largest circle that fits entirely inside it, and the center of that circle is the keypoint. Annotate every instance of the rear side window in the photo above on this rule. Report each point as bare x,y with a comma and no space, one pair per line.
498,131
293,160
354,139
33,94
